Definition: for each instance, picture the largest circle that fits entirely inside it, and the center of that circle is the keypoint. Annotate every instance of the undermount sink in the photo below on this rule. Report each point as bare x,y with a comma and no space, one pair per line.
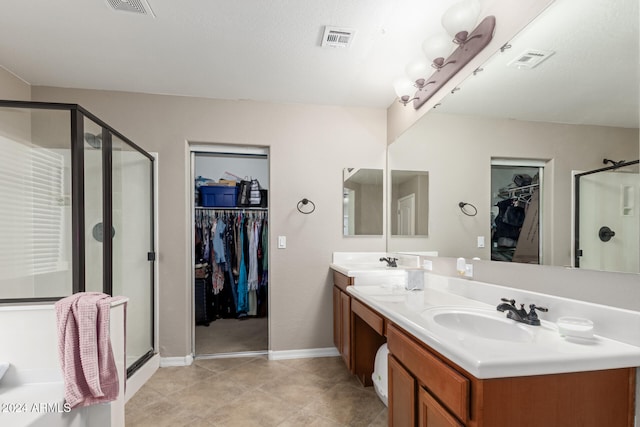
480,323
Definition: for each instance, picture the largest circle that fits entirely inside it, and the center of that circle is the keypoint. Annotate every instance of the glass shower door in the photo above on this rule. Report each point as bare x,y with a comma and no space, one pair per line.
132,207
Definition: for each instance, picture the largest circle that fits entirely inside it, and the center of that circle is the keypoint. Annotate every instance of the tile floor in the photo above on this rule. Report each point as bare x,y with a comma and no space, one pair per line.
256,391
233,336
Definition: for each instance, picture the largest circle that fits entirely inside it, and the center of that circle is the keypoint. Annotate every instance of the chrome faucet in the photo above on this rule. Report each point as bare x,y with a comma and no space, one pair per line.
520,314
391,262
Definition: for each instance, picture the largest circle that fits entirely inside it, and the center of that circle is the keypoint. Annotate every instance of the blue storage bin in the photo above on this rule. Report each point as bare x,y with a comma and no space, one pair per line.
218,196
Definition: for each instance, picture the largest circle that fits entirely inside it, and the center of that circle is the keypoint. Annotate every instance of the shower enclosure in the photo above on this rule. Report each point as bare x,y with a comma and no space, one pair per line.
76,214
607,218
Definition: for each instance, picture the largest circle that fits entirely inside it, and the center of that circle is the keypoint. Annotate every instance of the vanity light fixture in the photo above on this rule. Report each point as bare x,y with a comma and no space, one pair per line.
460,24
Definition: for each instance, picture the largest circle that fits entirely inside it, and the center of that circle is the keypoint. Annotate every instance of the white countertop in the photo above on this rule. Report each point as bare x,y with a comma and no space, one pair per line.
547,352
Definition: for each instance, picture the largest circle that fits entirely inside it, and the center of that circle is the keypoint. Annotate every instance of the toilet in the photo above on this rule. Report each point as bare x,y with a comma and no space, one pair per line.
380,373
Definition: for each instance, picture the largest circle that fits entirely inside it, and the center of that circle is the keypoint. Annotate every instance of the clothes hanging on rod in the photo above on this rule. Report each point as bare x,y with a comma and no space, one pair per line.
234,243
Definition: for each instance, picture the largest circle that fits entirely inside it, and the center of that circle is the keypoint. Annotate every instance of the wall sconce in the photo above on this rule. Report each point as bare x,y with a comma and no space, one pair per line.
459,22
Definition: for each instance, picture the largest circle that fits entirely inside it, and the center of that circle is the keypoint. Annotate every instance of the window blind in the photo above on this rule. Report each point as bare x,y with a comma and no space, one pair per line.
31,209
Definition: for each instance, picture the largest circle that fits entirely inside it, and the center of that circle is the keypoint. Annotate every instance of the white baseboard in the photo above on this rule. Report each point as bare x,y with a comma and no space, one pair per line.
176,361
273,355
304,353
231,355
141,376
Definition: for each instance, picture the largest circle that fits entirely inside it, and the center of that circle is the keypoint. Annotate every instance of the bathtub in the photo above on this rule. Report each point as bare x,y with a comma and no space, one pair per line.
32,389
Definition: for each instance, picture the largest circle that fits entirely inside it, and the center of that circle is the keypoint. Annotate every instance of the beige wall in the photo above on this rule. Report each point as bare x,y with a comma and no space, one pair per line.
309,147
457,151
13,88
14,124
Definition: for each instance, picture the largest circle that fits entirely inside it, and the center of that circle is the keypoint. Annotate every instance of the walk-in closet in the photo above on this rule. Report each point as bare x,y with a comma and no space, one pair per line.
515,212
230,285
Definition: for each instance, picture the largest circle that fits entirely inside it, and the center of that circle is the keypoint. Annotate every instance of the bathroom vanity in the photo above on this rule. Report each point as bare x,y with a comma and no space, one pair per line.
456,361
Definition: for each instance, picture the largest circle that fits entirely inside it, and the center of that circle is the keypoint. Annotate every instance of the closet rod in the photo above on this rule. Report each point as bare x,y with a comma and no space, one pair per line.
512,192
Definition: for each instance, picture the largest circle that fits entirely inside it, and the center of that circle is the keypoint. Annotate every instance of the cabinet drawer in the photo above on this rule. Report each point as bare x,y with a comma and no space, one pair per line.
370,317
451,387
342,281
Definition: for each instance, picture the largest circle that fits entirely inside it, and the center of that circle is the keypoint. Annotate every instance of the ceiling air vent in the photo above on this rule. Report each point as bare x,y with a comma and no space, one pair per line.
530,59
337,37
136,6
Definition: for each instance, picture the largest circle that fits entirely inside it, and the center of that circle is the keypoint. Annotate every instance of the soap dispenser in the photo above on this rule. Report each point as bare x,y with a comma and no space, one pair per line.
464,269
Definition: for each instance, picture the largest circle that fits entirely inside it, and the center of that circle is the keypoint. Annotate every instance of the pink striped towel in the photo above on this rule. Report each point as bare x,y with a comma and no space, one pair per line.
84,347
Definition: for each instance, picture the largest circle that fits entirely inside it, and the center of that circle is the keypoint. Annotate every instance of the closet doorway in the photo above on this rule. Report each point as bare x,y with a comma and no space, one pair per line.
516,194
230,224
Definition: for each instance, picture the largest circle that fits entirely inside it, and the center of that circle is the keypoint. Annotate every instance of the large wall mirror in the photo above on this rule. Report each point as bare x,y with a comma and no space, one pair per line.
564,95
363,210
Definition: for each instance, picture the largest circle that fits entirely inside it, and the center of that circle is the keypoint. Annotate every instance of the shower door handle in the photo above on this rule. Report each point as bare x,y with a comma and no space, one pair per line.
606,233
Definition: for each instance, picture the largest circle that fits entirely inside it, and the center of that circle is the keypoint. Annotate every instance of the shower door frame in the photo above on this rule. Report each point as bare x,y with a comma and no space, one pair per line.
77,116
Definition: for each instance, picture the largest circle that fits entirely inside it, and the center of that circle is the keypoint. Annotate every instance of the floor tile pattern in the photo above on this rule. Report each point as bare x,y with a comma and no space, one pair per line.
255,391
233,336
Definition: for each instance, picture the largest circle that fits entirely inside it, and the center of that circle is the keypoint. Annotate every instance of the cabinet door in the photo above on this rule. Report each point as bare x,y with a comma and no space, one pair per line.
432,414
402,395
345,335
337,324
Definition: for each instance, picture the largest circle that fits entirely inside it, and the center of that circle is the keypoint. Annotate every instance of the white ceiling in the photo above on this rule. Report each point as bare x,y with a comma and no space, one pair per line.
266,50
270,51
592,78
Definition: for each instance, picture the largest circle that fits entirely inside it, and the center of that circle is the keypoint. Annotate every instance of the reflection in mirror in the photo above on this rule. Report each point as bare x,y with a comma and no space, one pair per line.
607,226
516,187
551,112
363,205
409,203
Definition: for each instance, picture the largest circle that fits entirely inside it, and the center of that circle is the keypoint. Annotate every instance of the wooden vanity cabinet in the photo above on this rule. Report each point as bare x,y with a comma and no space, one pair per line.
342,317
434,377
356,326
428,390
448,396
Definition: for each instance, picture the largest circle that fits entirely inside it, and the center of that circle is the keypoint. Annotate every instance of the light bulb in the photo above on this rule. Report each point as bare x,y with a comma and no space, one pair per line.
404,88
461,16
437,46
418,69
